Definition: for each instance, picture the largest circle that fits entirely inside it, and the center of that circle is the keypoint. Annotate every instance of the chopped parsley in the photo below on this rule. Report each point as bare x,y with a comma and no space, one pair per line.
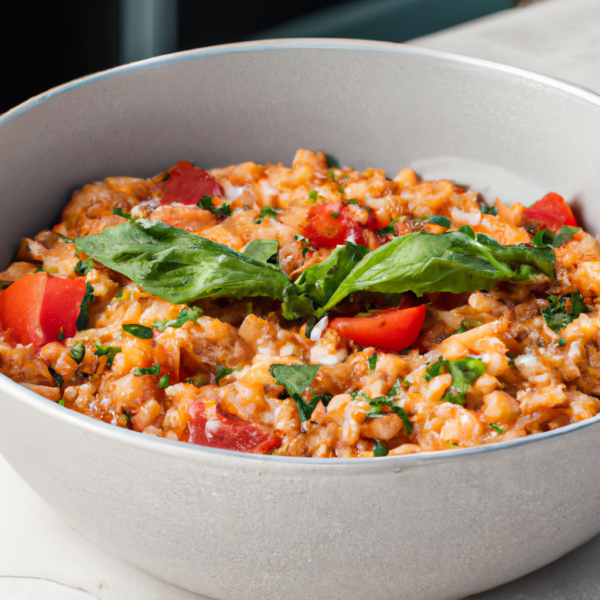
376,410
185,315
556,314
353,201
77,352
489,210
84,314
222,372
127,416
40,269
466,325
372,361
464,372
389,229
199,379
110,351
335,214
153,370
332,161
61,402
83,267
139,331
297,379
497,428
380,449
58,379
206,202
121,213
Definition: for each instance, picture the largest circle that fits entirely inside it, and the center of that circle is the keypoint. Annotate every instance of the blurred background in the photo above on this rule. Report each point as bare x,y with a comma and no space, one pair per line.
44,44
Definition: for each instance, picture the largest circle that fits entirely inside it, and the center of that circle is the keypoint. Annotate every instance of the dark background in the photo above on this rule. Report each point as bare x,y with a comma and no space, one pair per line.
45,43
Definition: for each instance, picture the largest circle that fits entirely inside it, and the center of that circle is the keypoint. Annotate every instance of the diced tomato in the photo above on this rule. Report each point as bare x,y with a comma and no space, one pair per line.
37,307
187,184
551,212
391,330
330,225
211,428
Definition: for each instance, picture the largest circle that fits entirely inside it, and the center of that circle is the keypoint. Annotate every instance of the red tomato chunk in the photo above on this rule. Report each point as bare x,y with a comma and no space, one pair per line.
551,212
38,308
187,184
392,330
210,428
330,225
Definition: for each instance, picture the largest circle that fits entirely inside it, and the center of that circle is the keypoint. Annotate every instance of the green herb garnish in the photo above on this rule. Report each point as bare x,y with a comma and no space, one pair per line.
164,381
464,372
206,202
84,313
64,238
376,410
557,316
61,334
297,379
77,352
372,361
335,214
497,428
261,250
489,210
83,267
139,331
185,315
110,351
439,220
154,370
61,402
121,213
222,372
380,449
545,238
389,229
58,379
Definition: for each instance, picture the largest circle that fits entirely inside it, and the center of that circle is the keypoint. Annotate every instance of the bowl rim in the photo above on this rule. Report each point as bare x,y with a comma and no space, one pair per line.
230,458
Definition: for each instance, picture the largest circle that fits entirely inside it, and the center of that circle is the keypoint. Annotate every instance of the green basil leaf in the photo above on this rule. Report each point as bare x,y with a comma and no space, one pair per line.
153,370
332,161
77,352
206,202
261,250
556,315
380,450
372,361
446,262
321,280
545,238
185,315
464,372
139,331
375,410
181,267
389,229
121,213
110,351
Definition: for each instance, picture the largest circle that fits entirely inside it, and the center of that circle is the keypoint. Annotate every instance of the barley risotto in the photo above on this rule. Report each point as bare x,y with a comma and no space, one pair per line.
308,311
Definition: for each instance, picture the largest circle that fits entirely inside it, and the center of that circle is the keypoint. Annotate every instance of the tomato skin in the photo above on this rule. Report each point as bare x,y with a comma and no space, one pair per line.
37,306
325,231
551,212
211,428
187,184
392,330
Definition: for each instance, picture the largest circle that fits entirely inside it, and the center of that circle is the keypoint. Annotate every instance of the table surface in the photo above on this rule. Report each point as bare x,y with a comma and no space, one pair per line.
556,37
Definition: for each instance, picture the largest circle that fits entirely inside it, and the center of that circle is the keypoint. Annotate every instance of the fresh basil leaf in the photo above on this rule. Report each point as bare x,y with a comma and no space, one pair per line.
565,235
489,210
84,312
77,352
83,267
468,231
185,315
464,372
439,220
556,315
206,202
139,331
296,306
544,238
110,351
446,262
297,379
321,280
181,267
222,372
261,250
153,370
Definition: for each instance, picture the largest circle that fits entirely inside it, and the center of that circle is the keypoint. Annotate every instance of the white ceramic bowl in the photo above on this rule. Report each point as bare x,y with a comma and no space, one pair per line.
233,526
